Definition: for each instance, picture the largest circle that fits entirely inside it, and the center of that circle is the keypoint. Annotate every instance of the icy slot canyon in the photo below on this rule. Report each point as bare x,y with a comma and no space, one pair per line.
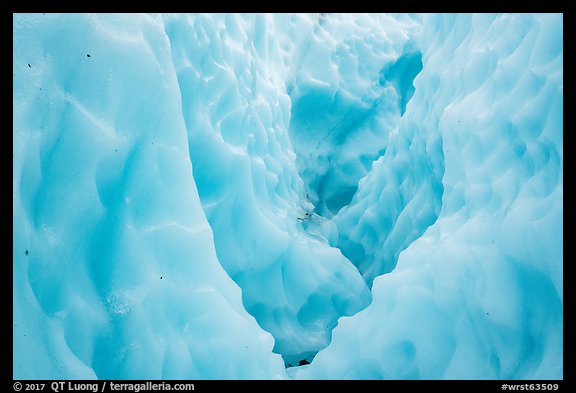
287,196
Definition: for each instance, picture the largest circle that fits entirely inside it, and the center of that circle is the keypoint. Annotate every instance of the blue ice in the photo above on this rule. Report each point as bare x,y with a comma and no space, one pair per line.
288,196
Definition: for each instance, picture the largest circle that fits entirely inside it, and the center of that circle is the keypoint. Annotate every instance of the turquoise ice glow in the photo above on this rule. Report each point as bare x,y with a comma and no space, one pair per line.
277,196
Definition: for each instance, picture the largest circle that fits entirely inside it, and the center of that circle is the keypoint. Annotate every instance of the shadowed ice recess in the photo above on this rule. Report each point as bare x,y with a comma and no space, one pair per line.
288,196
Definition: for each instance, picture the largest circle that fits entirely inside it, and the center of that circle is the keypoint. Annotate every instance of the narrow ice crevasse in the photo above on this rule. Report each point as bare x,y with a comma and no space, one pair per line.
253,201
302,156
301,159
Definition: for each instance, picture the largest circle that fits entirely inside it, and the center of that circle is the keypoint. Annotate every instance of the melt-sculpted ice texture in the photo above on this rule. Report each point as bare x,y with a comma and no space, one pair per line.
479,295
115,271
224,196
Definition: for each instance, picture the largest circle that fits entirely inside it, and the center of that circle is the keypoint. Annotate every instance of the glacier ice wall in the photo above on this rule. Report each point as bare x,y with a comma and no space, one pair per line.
115,271
479,295
379,195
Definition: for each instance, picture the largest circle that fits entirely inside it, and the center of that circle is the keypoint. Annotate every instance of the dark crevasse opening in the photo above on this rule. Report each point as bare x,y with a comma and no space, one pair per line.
400,74
336,138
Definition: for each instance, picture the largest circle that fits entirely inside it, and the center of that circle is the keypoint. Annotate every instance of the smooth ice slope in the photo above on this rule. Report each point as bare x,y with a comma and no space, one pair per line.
115,272
221,196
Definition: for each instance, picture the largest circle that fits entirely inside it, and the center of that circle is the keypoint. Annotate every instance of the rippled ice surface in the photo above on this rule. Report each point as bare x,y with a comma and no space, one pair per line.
276,196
